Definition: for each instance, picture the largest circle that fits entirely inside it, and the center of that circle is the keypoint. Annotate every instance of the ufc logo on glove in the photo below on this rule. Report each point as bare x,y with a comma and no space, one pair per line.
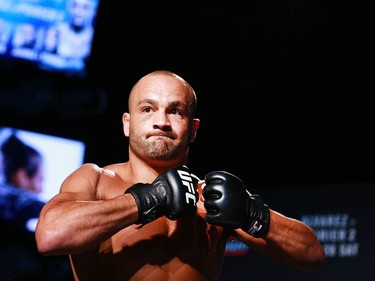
171,194
188,182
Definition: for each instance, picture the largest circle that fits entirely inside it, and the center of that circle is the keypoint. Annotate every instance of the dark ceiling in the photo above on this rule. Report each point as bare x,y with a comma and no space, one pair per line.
284,87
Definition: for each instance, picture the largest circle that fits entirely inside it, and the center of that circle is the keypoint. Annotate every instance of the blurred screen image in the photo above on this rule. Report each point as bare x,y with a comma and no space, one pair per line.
61,156
52,35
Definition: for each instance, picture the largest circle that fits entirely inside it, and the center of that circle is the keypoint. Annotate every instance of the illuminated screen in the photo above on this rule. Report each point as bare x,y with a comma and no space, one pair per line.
53,35
61,156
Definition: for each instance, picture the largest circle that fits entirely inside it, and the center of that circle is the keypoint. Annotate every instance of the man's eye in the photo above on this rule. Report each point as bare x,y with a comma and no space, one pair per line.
175,111
147,109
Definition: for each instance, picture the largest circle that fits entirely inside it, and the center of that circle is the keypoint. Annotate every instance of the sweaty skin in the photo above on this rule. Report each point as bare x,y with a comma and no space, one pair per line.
93,221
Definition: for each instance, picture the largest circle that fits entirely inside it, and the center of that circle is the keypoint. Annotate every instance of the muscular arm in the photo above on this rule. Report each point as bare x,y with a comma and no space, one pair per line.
75,220
228,203
289,242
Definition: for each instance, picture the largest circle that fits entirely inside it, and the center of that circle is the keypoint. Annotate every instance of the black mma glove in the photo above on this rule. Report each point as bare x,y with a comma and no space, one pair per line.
229,204
172,194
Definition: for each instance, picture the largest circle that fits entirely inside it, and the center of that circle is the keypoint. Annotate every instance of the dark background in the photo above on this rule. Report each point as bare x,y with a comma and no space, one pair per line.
284,87
285,94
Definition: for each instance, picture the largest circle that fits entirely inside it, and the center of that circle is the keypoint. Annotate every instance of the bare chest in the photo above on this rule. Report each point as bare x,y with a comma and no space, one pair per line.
169,246
165,236
184,249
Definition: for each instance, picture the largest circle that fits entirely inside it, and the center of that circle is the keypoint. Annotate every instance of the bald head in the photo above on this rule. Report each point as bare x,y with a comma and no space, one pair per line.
160,122
157,80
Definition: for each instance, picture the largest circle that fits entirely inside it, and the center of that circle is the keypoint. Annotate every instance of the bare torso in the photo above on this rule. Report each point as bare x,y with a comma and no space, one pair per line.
184,249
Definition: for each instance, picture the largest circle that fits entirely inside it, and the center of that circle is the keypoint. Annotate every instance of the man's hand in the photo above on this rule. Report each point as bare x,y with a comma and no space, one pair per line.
229,204
172,194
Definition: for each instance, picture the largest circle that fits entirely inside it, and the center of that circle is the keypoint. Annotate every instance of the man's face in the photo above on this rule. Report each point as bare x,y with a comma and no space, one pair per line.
82,12
32,183
160,120
36,182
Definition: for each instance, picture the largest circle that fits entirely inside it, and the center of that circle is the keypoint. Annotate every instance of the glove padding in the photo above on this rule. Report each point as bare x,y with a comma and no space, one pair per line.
173,194
229,204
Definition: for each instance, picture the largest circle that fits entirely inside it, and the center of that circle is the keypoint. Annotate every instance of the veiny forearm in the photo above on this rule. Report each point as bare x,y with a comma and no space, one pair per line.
69,227
290,242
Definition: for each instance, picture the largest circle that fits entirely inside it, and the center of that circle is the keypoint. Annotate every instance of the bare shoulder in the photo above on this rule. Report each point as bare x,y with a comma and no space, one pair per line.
113,180
86,172
93,170
89,179
118,168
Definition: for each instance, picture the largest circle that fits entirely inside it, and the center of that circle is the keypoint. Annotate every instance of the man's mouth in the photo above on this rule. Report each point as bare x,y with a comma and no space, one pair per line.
161,136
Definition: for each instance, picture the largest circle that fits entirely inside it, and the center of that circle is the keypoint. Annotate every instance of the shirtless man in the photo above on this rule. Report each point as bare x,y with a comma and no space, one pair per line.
144,219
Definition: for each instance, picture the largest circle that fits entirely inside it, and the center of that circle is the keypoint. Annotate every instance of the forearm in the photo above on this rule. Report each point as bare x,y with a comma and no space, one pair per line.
68,227
290,242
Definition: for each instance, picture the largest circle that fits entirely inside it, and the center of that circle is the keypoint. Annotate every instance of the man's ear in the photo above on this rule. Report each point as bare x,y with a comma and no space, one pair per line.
194,129
126,123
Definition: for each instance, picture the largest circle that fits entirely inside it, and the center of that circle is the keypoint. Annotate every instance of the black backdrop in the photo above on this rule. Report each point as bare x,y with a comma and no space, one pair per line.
284,87
340,214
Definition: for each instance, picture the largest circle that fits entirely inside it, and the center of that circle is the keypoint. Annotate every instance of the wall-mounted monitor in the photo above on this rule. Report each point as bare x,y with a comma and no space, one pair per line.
52,35
61,156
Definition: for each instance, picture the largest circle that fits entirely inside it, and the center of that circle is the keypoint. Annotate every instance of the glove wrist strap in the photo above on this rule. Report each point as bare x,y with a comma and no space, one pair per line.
259,223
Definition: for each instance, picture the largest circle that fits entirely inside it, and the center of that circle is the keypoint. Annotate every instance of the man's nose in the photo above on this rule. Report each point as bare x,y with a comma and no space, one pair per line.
161,120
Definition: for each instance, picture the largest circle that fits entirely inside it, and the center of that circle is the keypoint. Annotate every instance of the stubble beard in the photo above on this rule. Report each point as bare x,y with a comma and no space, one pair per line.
157,149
